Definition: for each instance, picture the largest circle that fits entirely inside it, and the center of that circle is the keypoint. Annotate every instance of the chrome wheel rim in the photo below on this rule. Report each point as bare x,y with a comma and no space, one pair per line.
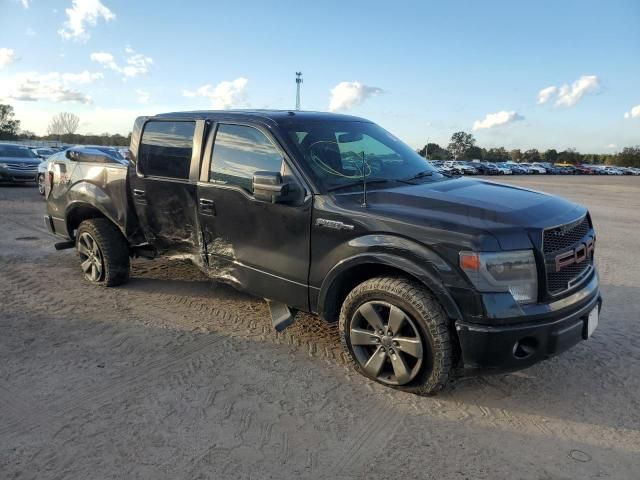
91,260
386,342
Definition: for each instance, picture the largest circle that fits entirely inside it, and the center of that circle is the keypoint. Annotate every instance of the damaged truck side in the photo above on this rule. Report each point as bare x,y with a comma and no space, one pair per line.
426,274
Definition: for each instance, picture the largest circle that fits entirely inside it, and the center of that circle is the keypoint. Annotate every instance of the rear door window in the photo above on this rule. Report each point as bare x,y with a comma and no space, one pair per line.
165,149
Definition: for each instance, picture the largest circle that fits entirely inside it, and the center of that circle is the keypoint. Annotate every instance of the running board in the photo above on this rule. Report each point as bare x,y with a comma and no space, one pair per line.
64,245
281,315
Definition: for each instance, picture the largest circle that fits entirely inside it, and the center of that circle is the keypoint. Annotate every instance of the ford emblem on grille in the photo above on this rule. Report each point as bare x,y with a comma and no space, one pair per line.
579,254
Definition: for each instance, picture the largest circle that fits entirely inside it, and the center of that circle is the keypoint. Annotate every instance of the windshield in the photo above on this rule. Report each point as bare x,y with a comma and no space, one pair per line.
334,151
15,151
110,151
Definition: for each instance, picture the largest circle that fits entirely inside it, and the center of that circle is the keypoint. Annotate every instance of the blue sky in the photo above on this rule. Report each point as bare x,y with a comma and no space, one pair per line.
420,69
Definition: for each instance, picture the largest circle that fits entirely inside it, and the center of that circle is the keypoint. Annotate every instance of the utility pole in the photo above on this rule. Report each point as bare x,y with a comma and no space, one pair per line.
298,82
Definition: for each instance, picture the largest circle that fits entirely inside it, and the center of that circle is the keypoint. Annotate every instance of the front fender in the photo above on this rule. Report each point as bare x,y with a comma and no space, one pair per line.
399,253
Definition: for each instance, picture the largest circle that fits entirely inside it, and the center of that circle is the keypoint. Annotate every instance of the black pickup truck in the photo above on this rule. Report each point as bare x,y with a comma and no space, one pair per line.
426,274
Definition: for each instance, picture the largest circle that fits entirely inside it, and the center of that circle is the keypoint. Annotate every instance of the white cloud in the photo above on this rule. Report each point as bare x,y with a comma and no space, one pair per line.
24,3
545,94
143,96
633,113
52,86
136,64
105,59
81,78
612,145
346,95
30,32
83,13
496,119
226,94
568,95
7,57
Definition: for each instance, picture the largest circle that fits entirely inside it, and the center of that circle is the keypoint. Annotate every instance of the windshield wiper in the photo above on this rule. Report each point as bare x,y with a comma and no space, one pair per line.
424,173
359,182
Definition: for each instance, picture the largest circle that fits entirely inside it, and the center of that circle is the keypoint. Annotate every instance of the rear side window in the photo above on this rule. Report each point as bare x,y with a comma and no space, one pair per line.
240,151
165,149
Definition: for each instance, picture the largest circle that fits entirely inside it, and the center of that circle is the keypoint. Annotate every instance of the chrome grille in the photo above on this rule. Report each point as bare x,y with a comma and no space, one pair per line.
22,166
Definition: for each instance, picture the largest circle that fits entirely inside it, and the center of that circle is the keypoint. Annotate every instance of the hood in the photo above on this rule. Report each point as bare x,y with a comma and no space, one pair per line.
470,205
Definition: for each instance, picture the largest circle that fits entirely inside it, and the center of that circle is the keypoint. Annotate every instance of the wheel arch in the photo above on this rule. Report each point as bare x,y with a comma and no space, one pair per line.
79,211
355,270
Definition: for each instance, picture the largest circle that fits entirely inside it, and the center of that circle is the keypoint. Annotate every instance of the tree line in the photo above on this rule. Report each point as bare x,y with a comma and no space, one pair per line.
62,128
462,146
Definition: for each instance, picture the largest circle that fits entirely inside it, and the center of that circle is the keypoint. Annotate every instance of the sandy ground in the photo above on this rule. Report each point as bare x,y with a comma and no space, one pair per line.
175,377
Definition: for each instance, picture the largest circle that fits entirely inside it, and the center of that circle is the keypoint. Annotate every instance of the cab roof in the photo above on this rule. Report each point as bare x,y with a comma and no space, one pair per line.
276,116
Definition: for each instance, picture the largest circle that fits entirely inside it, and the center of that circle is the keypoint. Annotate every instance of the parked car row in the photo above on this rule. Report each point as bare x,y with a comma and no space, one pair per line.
23,164
453,167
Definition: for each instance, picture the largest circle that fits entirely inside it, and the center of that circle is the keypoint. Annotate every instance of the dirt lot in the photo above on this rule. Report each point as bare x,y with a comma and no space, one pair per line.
173,376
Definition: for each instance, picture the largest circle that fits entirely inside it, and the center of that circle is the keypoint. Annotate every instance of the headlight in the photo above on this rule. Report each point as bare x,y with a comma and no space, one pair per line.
514,272
4,165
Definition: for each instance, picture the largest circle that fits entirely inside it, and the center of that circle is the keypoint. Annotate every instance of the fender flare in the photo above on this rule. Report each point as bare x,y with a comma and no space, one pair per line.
77,204
427,276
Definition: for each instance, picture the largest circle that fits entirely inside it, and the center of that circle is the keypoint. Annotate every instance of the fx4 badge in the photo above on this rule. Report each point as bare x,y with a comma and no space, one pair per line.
578,255
334,224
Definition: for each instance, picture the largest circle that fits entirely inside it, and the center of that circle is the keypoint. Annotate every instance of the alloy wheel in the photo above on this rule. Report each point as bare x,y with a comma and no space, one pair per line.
41,184
92,263
386,342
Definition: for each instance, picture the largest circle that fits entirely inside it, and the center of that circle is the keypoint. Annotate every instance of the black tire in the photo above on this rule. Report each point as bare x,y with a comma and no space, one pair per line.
40,183
425,315
112,252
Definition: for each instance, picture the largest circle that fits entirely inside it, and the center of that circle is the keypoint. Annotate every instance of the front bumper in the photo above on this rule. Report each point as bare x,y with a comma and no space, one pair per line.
506,347
15,176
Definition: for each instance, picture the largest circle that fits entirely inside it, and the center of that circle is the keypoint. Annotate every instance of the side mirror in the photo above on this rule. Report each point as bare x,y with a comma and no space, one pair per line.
268,187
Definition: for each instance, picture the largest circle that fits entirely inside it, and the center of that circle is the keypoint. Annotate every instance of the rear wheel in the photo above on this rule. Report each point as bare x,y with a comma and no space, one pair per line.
103,252
396,334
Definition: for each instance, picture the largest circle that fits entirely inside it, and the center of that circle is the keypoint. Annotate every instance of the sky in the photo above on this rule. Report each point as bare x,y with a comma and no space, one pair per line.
543,74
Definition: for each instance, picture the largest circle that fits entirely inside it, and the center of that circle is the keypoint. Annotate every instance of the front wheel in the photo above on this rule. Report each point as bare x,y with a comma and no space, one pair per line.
395,333
103,252
40,182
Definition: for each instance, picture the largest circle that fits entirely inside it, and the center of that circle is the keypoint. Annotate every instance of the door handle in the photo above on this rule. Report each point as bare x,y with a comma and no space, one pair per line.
139,196
207,207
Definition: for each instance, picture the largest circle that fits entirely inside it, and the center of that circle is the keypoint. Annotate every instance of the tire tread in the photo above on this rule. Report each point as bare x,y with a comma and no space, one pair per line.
114,248
433,319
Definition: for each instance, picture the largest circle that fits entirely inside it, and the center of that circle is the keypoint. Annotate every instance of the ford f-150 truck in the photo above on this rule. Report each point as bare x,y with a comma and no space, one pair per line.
426,274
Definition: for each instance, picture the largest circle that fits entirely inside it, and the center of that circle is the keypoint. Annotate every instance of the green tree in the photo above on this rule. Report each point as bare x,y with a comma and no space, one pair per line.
473,153
570,155
9,126
460,143
629,157
499,154
550,155
434,152
516,155
531,155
